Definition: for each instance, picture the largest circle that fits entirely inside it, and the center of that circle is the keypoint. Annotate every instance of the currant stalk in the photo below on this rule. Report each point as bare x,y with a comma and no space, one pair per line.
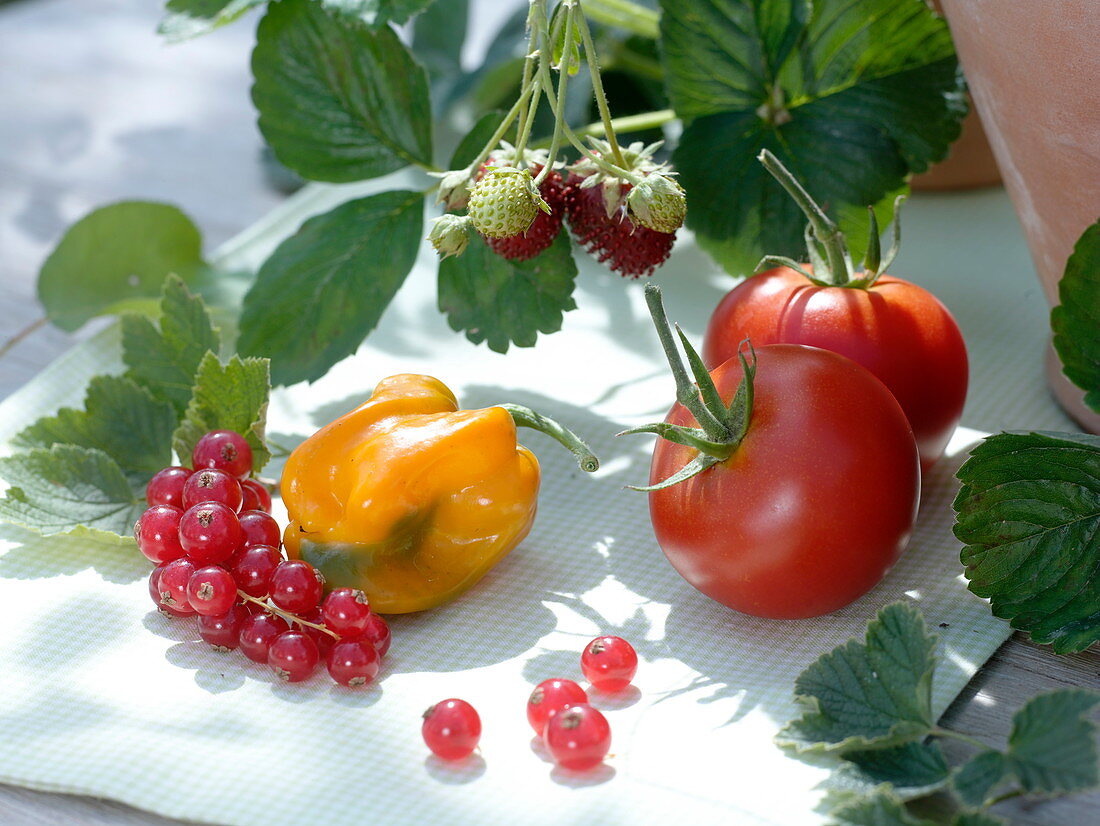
290,617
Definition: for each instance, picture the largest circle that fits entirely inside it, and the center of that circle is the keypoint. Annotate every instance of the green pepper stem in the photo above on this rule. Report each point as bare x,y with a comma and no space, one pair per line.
526,417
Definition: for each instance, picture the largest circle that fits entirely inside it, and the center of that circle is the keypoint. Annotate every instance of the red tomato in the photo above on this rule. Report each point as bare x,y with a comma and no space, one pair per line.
816,503
897,330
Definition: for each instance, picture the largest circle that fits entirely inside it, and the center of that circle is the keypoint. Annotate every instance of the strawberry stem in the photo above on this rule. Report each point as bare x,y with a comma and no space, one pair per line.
597,86
563,82
623,14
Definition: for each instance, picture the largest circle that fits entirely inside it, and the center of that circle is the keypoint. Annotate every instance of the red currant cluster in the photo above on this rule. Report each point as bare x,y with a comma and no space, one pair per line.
575,733
217,551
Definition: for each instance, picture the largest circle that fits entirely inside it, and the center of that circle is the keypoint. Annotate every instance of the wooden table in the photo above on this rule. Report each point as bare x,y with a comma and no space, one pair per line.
97,109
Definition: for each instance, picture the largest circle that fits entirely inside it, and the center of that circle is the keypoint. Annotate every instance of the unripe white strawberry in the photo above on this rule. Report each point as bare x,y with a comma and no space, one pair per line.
505,202
658,202
450,234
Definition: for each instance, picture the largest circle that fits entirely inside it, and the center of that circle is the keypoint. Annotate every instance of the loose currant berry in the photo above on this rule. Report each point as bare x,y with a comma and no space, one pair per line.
551,696
293,656
578,737
212,485
260,529
347,612
353,662
157,533
210,533
609,663
212,591
154,593
256,496
225,450
254,568
257,632
224,632
296,586
172,585
166,487
451,729
322,639
378,632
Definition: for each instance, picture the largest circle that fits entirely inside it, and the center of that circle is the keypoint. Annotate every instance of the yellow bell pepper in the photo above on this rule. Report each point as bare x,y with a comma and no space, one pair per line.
411,499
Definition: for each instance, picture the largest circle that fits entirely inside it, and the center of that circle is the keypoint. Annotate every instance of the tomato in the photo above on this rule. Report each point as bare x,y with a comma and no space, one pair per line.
815,504
897,330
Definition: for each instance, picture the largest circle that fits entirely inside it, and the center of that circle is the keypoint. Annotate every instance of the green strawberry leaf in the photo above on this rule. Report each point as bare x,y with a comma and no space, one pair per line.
851,97
1052,747
164,360
1028,513
873,694
66,487
912,769
976,779
116,259
504,302
882,808
338,101
438,36
325,288
1076,320
977,819
185,19
231,396
472,143
119,418
379,12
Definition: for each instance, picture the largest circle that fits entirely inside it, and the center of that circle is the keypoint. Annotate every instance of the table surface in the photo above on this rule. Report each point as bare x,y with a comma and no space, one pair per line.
98,110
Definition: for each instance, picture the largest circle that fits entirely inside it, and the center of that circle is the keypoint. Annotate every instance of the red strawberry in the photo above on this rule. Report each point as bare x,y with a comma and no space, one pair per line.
545,228
616,240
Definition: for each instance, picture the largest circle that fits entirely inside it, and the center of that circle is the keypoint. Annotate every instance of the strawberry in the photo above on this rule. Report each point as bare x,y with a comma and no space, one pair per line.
545,228
505,202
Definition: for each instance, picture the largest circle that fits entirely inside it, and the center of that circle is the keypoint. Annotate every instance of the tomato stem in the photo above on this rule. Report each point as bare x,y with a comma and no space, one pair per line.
526,417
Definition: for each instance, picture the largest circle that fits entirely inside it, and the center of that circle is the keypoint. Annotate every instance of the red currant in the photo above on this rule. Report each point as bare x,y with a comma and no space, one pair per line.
609,663
172,584
224,450
347,612
353,662
154,592
212,485
210,533
293,656
224,632
166,487
158,533
257,632
256,496
578,737
212,591
451,729
323,639
551,696
253,570
378,632
296,586
260,529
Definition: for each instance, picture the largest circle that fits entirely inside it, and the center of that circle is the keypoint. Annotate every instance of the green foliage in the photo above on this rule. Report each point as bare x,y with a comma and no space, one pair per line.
1076,321
337,100
1052,746
504,302
438,37
1028,513
116,259
872,694
976,779
185,19
914,769
163,358
851,97
380,12
231,396
324,289
57,489
879,809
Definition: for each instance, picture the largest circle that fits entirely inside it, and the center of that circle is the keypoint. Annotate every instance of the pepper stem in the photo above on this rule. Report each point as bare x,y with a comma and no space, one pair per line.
526,417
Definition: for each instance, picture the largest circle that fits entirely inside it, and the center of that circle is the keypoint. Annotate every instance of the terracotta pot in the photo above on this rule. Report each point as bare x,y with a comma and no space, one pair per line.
1034,74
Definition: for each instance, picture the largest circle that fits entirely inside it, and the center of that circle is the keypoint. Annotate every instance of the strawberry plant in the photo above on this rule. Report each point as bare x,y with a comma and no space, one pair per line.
851,97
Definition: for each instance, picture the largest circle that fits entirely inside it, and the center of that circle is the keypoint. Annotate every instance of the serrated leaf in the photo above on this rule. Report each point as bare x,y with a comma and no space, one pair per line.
504,302
1052,746
873,694
912,769
231,396
338,101
977,819
164,360
65,487
119,418
185,19
976,778
871,94
116,259
379,12
324,289
879,809
1076,320
1028,513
